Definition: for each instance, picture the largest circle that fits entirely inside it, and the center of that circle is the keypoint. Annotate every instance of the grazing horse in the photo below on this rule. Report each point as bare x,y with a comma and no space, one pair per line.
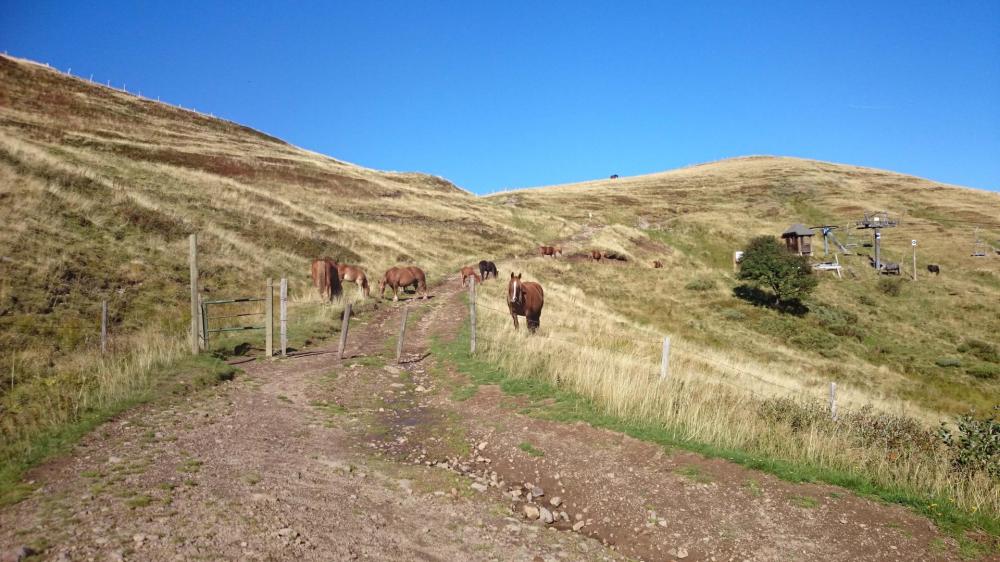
595,255
525,298
888,267
356,275
934,268
657,264
549,251
469,271
486,268
614,176
615,256
402,277
325,278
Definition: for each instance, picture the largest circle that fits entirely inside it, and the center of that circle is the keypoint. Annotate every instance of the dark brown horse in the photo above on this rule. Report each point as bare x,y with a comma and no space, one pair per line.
325,278
355,275
402,277
525,298
487,268
595,255
550,251
469,271
658,264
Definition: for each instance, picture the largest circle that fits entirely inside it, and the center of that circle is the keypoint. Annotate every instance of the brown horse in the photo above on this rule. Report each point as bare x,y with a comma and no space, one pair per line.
595,255
402,277
658,264
550,251
356,275
525,298
325,278
469,271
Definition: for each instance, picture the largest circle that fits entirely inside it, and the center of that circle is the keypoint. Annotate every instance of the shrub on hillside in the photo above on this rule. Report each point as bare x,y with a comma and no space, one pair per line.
975,447
948,362
982,350
767,263
984,371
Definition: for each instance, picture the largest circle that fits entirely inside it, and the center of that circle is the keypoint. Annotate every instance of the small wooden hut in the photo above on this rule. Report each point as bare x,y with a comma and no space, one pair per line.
798,239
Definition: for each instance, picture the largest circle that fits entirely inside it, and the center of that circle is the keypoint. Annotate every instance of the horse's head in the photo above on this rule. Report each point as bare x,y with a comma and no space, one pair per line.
515,292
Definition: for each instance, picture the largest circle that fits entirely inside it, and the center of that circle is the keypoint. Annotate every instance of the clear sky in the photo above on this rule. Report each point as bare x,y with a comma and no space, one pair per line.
512,94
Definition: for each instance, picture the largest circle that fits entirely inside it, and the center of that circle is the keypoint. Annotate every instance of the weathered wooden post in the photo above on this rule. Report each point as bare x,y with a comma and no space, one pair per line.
283,318
193,262
914,244
665,359
104,327
833,401
343,330
402,334
269,318
472,315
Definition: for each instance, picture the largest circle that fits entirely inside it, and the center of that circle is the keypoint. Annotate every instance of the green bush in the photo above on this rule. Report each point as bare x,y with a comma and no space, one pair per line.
839,322
984,371
982,350
891,286
948,362
700,285
867,301
732,314
976,446
767,263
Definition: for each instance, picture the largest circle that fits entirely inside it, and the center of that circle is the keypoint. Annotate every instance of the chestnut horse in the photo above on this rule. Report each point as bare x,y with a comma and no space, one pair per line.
400,278
469,271
657,264
325,278
356,275
550,251
595,255
525,298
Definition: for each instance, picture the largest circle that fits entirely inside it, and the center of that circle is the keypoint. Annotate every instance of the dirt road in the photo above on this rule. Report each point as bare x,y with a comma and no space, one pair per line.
319,459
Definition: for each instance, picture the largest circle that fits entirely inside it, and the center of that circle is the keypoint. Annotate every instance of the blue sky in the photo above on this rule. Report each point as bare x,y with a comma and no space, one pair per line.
520,94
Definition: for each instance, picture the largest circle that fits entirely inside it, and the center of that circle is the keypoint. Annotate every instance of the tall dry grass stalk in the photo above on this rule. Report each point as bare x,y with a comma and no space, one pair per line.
584,347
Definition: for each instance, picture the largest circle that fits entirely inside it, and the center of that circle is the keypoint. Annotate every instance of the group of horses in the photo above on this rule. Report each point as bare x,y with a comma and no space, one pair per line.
524,298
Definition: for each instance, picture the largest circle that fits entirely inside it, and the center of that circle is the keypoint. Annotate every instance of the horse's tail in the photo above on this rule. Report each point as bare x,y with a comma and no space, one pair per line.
364,285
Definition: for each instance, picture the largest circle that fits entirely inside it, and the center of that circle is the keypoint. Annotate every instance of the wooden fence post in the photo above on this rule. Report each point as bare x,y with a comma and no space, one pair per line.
402,334
195,308
665,359
283,311
343,330
472,316
269,318
104,326
833,401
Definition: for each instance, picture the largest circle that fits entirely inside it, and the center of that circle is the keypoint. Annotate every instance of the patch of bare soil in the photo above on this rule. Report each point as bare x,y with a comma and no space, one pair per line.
315,458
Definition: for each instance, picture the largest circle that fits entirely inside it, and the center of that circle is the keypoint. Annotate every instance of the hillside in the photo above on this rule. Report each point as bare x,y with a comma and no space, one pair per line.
100,188
858,331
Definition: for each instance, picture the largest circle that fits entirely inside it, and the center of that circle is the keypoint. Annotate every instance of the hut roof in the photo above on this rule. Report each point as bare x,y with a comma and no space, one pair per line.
797,229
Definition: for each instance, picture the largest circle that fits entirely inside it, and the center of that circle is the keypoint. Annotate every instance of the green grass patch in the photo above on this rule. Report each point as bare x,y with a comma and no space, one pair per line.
694,474
531,449
803,501
138,501
558,404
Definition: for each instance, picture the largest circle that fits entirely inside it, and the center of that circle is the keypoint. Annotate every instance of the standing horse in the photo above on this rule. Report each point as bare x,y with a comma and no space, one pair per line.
356,275
401,278
325,278
525,298
486,268
595,255
469,271
657,264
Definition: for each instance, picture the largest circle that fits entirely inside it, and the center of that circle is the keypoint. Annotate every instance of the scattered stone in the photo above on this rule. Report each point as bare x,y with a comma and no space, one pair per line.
531,512
114,460
578,525
479,487
420,388
556,501
680,553
545,515
18,554
537,492
564,516
482,445
287,533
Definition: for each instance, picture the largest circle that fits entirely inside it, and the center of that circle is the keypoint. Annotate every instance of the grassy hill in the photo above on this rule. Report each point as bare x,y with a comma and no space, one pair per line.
99,189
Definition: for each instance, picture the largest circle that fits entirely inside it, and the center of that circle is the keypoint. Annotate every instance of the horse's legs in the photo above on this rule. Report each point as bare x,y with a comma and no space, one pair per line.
514,316
395,293
532,324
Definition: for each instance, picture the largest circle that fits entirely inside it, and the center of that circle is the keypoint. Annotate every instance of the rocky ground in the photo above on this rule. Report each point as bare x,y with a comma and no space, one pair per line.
362,459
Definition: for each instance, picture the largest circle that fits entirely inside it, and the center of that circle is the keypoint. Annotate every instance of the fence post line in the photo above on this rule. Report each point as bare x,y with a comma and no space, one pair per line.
104,326
472,315
343,330
833,401
195,308
269,318
665,360
203,335
284,316
402,334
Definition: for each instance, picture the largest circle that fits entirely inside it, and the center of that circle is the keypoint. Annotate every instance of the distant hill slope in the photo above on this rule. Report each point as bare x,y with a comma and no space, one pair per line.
935,342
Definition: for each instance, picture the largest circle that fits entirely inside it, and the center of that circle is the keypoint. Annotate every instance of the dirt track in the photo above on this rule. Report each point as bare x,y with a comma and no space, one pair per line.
313,458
